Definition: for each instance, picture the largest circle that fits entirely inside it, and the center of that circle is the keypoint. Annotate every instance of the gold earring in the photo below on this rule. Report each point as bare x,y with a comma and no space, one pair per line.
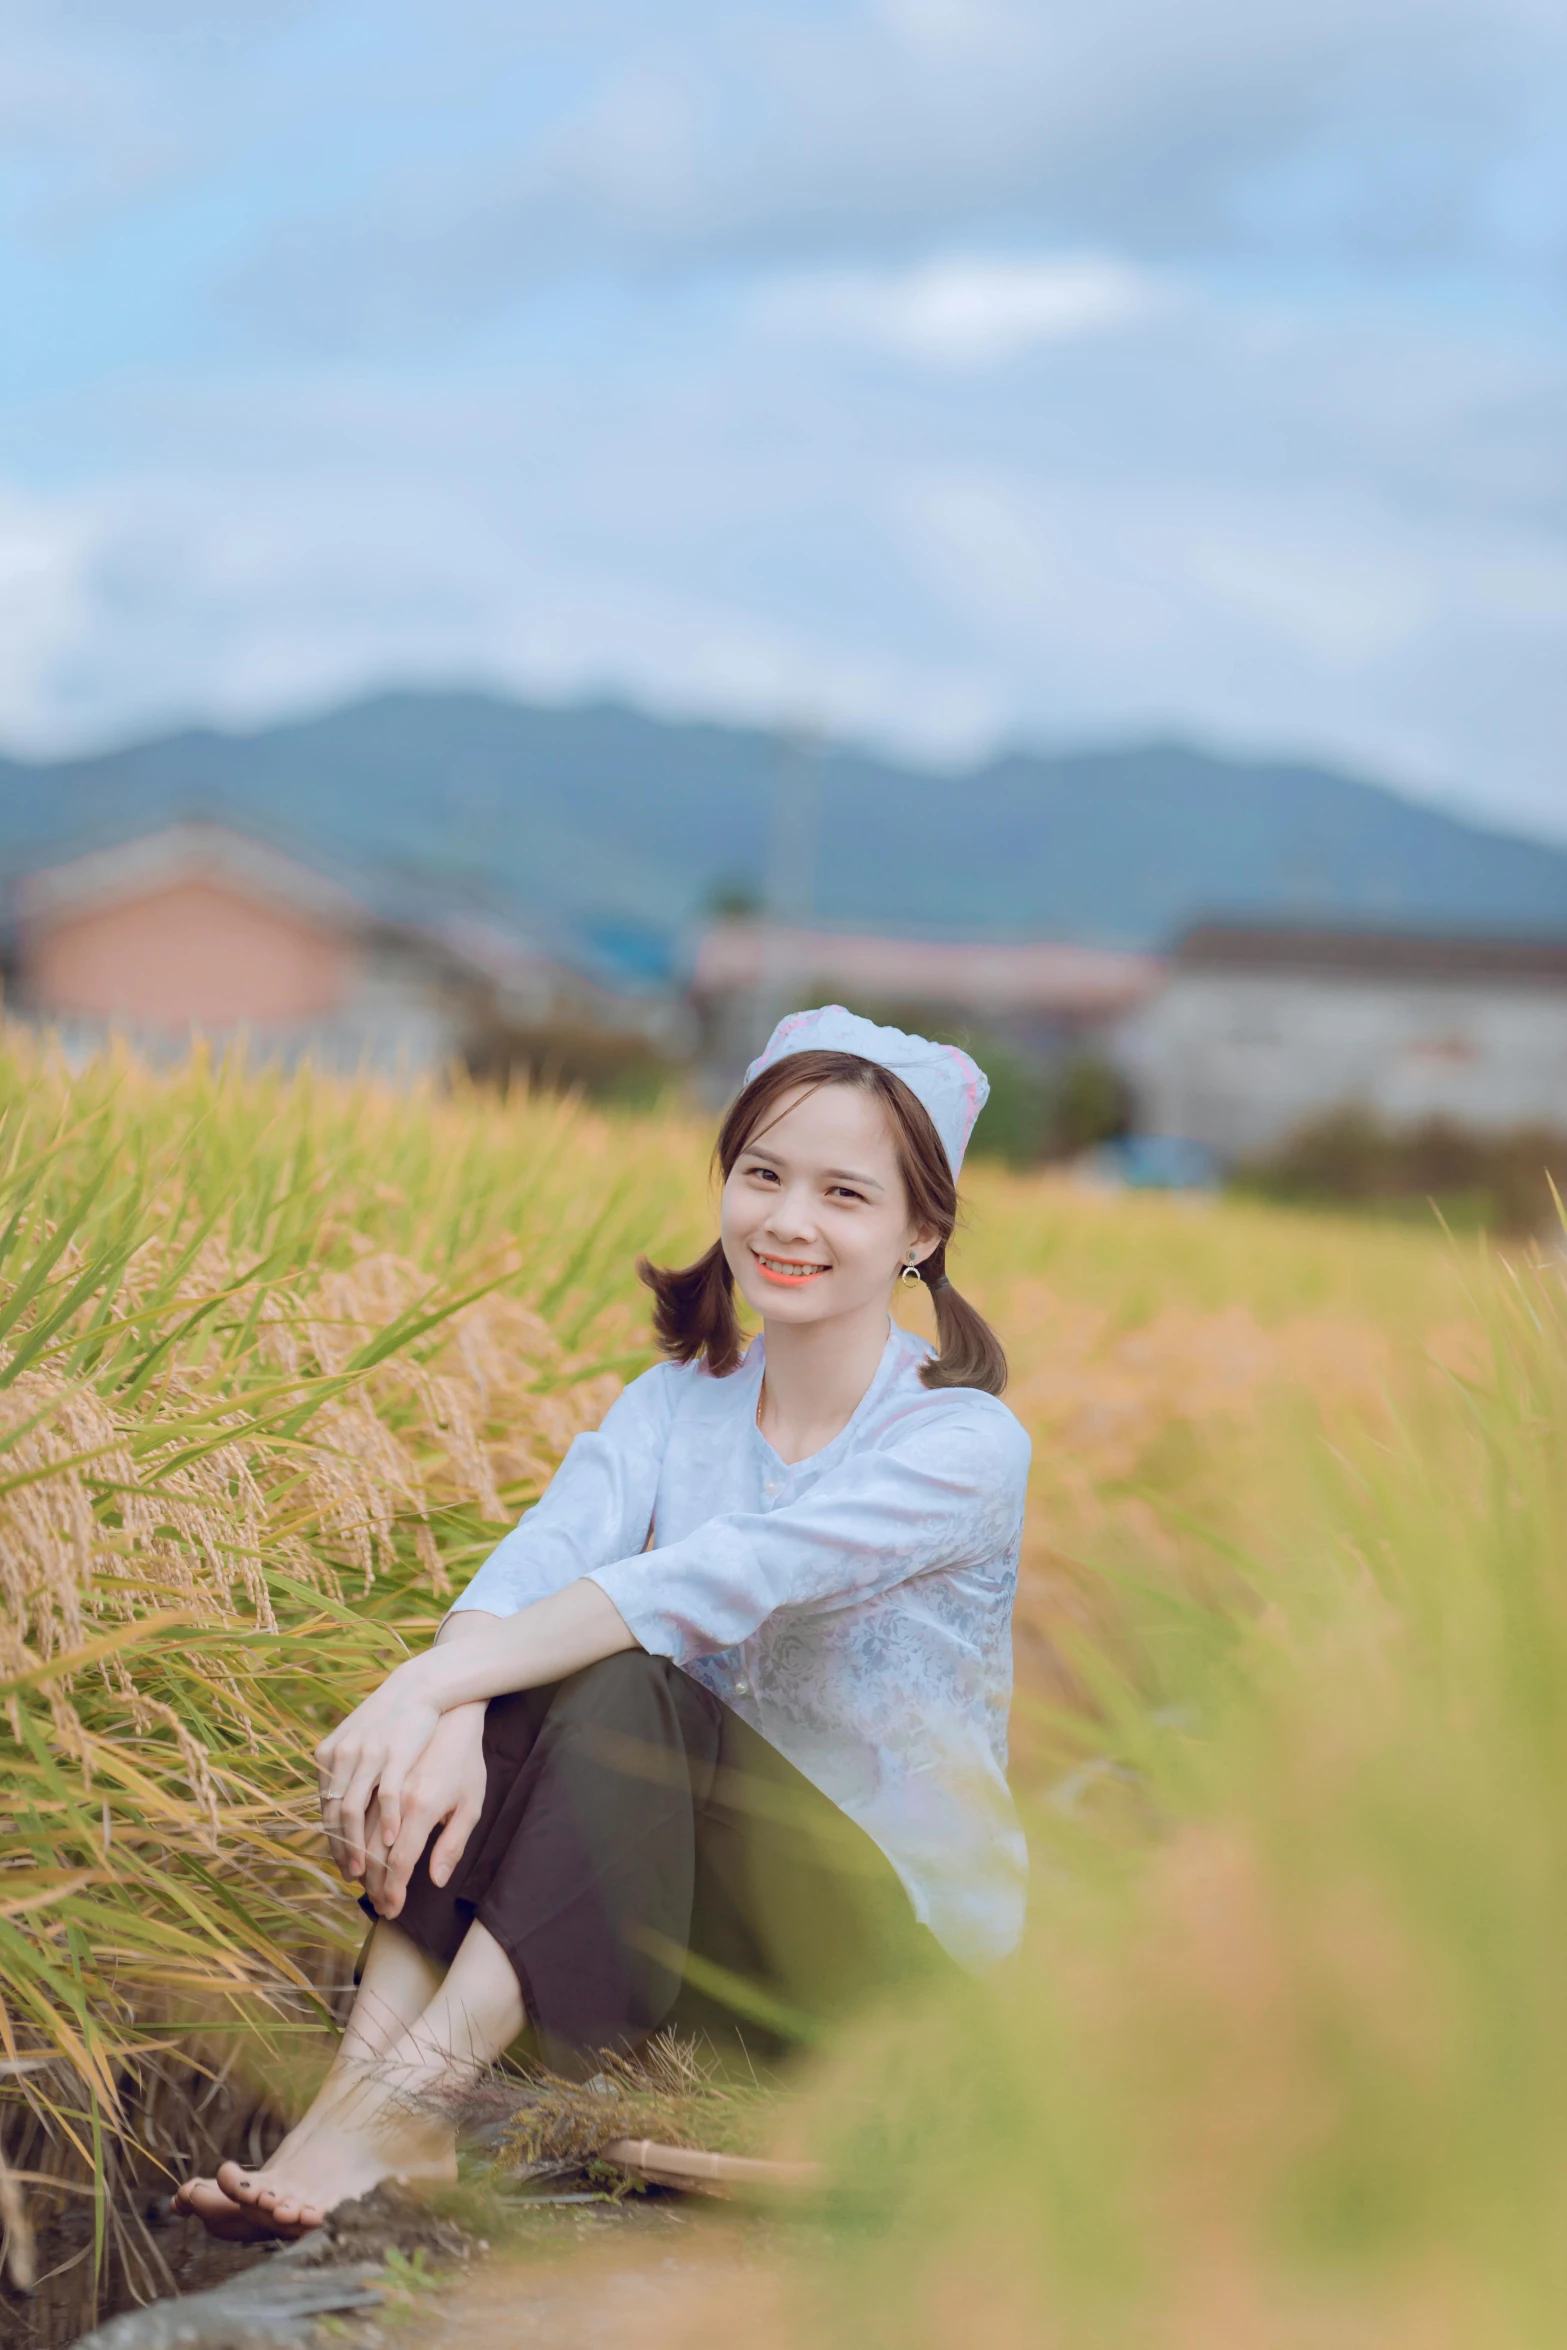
910,1275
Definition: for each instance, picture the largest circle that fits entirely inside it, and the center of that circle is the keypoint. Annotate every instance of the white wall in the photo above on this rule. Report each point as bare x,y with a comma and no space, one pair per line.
1237,1059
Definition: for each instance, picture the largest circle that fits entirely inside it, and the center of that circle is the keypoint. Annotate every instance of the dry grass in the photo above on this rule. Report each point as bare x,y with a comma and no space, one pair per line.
539,2121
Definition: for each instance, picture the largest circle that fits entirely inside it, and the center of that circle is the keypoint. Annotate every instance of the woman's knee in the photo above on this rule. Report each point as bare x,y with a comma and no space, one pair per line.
641,1701
627,1683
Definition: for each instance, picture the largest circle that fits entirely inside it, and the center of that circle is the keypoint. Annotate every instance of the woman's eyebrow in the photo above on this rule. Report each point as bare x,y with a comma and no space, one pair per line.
830,1174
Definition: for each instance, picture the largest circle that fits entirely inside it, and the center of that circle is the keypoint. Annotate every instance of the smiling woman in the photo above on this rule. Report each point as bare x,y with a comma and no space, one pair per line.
831,1148
717,1736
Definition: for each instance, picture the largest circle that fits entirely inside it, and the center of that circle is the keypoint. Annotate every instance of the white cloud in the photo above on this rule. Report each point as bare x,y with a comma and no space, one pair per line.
961,310
1185,524
45,550
478,336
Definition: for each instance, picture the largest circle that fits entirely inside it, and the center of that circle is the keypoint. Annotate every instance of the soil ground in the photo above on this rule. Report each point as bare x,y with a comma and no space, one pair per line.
663,2278
661,2271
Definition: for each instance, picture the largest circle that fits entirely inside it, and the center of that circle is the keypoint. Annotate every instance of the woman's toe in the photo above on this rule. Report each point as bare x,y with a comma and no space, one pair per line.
231,2222
205,2197
236,2184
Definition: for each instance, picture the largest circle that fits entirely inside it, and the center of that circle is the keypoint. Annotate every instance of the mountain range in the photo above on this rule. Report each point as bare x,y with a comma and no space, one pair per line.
626,827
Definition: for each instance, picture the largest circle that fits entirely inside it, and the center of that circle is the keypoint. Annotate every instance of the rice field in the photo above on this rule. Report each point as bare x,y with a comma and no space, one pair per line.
1281,2061
277,1362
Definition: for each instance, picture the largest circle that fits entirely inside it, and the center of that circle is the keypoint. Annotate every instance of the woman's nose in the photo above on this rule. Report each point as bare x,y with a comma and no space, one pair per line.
790,1217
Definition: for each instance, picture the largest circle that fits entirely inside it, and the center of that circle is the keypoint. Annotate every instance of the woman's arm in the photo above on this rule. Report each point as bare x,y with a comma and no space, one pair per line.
544,1642
597,1507
379,1753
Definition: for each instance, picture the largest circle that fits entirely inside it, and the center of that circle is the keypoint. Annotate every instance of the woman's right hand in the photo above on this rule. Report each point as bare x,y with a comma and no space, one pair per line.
446,1784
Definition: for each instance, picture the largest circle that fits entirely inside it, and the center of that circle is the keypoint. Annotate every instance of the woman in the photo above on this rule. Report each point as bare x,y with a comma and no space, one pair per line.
718,1732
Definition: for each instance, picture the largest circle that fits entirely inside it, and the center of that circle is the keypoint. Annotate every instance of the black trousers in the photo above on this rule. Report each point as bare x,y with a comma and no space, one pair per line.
645,1858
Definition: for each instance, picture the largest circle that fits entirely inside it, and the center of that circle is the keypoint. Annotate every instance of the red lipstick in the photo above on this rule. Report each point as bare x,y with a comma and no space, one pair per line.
782,1280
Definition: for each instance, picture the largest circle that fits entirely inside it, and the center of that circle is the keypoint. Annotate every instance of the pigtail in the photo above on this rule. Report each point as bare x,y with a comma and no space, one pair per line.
694,1310
971,1355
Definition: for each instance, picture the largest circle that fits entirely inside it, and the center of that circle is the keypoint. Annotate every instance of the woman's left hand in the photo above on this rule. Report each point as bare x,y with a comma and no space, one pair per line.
370,1754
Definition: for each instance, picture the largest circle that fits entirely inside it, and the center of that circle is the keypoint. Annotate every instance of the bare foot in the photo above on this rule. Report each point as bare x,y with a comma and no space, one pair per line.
218,2213
332,2161
269,2205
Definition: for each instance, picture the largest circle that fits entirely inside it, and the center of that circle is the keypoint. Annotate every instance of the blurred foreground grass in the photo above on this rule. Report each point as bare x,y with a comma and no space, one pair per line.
1280,2062
1283,2062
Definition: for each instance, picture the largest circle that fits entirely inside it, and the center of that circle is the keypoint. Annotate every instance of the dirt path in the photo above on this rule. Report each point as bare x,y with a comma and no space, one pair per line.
654,2273
660,2279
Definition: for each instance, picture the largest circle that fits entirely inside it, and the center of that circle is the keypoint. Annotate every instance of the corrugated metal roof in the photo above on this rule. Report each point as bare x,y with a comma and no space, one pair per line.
1039,976
1370,954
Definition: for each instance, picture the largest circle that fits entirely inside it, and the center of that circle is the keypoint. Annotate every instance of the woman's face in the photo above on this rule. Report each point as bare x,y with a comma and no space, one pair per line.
816,1221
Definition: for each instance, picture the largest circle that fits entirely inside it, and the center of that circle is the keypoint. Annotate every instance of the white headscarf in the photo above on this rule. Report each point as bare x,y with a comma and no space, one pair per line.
953,1088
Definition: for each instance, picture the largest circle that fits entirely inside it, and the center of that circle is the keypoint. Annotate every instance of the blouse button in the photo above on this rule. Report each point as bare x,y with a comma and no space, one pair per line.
742,1688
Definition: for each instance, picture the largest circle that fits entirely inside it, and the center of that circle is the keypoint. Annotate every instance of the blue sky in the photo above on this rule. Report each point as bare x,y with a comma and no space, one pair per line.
946,372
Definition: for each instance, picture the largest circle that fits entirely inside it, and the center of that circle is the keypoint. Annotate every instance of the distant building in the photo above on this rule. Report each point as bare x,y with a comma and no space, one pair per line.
1255,1030
1048,999
202,928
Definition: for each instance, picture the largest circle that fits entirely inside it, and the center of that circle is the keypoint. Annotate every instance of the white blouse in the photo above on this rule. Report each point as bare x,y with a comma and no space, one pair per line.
855,1608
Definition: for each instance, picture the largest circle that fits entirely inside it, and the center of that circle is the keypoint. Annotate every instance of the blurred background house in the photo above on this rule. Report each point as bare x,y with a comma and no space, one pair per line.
1049,1001
200,929
1255,1031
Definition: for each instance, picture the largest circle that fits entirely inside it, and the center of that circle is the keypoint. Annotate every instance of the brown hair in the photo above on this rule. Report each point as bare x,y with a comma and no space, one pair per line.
694,1313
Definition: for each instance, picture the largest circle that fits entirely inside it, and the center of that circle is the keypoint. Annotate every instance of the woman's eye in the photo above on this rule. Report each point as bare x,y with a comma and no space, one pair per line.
842,1191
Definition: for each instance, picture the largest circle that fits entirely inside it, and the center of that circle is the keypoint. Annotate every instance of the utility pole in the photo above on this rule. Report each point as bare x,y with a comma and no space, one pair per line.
793,845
